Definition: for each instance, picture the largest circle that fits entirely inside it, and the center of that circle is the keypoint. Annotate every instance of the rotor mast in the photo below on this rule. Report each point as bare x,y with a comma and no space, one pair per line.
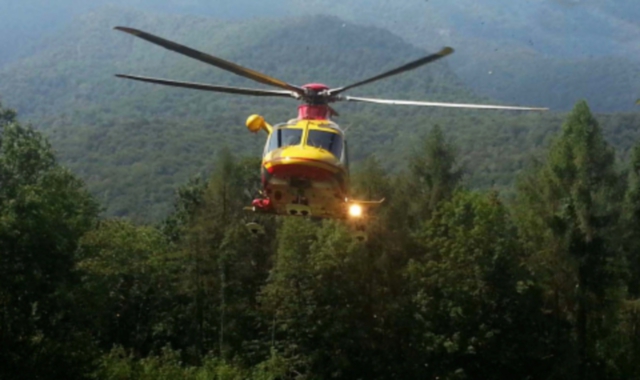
315,106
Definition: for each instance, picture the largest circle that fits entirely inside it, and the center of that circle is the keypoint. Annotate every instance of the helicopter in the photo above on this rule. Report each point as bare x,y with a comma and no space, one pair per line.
305,164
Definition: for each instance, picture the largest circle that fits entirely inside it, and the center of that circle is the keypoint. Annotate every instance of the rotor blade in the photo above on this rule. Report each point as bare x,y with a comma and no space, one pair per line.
214,88
438,104
409,66
215,61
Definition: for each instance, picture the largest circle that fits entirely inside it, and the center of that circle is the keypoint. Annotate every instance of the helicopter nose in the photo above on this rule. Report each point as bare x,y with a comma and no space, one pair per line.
299,161
310,153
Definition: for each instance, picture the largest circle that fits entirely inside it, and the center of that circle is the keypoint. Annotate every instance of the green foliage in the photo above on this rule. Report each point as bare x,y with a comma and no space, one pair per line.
129,272
433,172
134,165
470,298
570,209
119,365
432,177
224,266
434,166
328,307
7,116
632,220
451,283
370,180
44,210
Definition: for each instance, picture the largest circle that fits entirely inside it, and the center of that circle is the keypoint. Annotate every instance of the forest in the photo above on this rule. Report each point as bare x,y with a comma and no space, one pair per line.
453,282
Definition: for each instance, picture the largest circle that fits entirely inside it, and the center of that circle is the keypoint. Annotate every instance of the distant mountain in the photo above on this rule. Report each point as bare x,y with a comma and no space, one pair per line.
22,23
512,51
518,50
73,70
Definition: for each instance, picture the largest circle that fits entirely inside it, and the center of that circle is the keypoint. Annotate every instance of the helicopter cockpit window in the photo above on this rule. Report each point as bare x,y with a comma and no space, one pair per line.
284,137
326,140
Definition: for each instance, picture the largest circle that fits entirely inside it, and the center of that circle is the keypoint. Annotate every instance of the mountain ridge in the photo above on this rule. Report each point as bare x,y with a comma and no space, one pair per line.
515,41
76,69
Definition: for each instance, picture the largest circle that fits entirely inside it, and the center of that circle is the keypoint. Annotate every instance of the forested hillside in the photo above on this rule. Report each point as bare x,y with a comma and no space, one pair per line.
451,284
73,69
514,51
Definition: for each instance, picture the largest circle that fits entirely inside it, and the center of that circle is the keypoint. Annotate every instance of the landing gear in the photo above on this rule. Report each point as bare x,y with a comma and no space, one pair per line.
299,206
298,210
255,228
359,232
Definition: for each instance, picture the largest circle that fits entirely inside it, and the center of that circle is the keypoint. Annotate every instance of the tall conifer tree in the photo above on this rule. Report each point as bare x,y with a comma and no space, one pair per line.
568,213
433,177
632,215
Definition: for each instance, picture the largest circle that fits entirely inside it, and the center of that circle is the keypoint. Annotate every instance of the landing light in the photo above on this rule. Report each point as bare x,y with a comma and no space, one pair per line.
355,211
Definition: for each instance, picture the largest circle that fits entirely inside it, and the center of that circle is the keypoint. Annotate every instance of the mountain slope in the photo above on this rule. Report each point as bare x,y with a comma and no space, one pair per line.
527,46
74,69
135,143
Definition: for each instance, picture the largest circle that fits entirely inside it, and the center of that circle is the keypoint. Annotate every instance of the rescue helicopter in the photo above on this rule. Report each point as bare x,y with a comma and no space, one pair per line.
305,164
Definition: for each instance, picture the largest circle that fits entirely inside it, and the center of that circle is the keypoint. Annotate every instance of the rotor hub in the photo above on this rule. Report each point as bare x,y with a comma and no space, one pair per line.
315,94
318,87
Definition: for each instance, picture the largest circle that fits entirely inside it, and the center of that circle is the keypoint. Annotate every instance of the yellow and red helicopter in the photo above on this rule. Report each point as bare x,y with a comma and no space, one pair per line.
305,165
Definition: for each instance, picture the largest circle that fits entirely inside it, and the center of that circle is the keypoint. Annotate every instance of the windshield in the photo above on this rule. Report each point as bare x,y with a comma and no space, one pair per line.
326,140
284,137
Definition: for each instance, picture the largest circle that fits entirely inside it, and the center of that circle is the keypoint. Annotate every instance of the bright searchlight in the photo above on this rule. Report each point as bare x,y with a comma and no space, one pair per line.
355,211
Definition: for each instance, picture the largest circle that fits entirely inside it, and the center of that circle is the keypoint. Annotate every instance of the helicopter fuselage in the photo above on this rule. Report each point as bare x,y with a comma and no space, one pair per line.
305,167
305,170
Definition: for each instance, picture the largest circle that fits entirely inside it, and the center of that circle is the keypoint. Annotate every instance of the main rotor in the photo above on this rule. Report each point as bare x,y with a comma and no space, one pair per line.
315,97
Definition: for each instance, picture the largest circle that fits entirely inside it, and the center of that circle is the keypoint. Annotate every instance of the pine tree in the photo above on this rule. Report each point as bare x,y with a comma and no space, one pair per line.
470,299
632,219
629,346
568,215
432,177
224,264
370,182
7,116
129,287
288,296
